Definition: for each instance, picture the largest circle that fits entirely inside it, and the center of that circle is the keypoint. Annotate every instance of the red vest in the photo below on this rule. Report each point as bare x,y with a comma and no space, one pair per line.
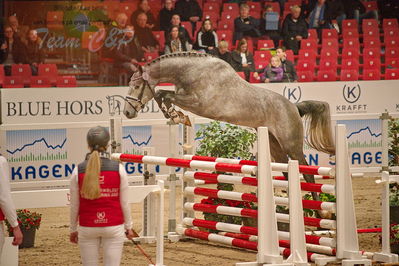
1,215
106,210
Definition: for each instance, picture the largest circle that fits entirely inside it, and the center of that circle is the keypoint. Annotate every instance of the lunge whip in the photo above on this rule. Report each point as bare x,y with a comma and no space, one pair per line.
142,250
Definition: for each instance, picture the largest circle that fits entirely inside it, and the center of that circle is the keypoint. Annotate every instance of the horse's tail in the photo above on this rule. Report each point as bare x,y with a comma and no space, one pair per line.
316,115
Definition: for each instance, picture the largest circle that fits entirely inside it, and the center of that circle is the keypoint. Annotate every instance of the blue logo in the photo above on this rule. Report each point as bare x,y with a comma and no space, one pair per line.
292,94
351,94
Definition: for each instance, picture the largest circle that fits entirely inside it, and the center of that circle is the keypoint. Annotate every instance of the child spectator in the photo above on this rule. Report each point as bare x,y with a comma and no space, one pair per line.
207,38
222,51
295,29
174,43
273,72
165,15
245,25
143,7
34,53
242,59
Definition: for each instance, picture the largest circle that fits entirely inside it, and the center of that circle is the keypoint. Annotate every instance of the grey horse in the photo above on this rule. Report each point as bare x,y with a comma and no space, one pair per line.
209,87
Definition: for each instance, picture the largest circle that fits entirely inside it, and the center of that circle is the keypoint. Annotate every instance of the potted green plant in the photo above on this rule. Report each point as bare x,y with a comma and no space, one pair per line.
218,139
394,238
393,152
29,222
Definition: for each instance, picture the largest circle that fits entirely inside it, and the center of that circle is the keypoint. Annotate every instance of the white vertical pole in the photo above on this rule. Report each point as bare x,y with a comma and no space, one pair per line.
384,140
268,247
347,240
160,248
188,148
115,131
173,133
297,225
149,215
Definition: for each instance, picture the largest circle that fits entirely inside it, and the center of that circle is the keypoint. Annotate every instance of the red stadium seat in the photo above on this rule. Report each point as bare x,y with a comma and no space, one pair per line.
372,64
211,6
391,53
241,74
326,75
371,53
252,79
231,7
351,43
329,53
391,41
13,82
50,71
351,63
392,73
254,5
329,34
160,37
226,25
348,53
329,44
261,64
307,54
388,23
369,23
370,5
229,15
22,70
262,55
265,44
225,35
350,33
66,81
371,74
212,16
349,75
312,34
305,65
328,63
127,8
391,33
150,56
392,62
2,75
305,76
255,13
371,43
349,24
55,20
309,44
40,82
372,33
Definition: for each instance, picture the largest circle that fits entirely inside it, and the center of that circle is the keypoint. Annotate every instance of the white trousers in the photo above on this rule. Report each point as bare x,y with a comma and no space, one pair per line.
2,236
111,239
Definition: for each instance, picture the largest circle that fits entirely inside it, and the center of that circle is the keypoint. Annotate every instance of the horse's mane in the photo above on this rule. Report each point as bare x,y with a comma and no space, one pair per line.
178,54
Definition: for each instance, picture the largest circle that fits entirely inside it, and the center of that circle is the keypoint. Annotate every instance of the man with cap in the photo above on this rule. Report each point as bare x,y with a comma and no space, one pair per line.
7,209
99,203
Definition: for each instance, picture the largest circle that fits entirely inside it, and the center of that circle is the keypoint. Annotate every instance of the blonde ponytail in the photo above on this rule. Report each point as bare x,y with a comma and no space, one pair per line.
91,185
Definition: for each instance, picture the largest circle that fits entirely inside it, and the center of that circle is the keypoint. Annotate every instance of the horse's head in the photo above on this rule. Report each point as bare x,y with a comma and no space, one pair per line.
140,93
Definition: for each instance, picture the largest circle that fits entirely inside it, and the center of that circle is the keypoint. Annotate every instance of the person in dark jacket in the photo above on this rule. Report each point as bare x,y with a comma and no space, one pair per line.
12,51
207,38
34,53
144,35
289,71
165,15
143,7
189,10
242,60
335,11
129,53
294,29
317,16
245,25
355,9
222,52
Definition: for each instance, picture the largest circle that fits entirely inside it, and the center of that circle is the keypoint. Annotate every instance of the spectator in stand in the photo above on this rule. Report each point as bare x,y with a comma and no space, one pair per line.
245,25
34,53
389,8
144,35
174,43
115,32
271,28
273,72
355,9
243,60
207,38
165,15
289,71
317,18
222,51
129,52
335,11
189,10
19,31
295,29
183,33
143,7
12,51
7,208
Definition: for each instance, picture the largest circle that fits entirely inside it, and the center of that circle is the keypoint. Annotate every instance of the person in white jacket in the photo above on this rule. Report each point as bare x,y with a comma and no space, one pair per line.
7,209
99,203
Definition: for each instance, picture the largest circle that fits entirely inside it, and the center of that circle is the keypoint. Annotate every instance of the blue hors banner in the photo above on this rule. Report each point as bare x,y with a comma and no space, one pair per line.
43,138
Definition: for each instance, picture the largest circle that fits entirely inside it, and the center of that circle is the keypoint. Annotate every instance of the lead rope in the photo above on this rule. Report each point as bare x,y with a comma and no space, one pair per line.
142,250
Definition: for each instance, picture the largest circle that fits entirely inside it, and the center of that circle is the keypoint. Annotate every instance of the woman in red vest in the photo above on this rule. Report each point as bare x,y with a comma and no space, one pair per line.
99,203
7,209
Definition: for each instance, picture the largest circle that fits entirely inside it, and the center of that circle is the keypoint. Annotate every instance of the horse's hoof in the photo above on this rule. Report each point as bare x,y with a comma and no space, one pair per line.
186,121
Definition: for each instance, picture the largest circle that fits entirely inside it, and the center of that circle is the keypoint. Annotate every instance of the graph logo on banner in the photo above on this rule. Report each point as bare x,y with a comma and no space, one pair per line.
136,137
363,133
36,145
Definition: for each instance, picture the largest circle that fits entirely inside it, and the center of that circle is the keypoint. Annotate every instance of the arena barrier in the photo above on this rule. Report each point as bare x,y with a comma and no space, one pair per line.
347,243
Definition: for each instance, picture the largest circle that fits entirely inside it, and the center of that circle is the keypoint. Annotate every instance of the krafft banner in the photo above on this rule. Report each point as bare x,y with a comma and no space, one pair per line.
43,137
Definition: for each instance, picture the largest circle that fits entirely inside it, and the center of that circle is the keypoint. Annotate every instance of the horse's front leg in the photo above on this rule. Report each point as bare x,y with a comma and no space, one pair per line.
159,98
182,100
